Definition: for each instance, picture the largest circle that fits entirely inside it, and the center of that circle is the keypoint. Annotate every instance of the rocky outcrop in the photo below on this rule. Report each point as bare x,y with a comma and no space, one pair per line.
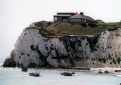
10,62
32,49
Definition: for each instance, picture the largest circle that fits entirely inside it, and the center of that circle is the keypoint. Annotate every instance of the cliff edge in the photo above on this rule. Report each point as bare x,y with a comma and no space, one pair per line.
39,46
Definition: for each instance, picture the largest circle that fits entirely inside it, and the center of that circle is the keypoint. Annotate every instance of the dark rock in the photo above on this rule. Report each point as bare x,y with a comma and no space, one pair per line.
106,72
100,72
24,69
9,63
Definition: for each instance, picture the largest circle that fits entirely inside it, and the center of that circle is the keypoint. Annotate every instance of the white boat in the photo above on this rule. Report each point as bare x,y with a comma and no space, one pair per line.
119,75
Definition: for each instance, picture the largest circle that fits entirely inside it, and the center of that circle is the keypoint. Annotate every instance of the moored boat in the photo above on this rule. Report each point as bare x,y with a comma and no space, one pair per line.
34,74
67,73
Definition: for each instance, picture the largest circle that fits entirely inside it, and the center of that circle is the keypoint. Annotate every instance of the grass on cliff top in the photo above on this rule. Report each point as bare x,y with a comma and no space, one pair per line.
109,26
69,29
54,29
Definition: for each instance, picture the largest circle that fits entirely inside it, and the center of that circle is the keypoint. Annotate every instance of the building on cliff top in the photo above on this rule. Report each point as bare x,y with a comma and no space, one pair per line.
74,18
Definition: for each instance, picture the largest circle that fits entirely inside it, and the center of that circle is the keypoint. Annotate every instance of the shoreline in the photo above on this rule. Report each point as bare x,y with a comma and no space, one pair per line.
58,69
114,71
75,68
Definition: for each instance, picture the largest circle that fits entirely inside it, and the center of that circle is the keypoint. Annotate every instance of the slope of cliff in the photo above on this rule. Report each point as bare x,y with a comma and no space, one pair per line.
37,46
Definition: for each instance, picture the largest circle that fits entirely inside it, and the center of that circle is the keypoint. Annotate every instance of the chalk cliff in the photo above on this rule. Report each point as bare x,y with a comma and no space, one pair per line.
32,49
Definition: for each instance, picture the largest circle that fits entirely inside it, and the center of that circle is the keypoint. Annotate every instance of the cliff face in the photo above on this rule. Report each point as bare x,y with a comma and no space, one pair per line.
34,50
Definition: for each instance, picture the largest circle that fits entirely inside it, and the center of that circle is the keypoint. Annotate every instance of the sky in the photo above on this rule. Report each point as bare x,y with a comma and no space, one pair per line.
15,15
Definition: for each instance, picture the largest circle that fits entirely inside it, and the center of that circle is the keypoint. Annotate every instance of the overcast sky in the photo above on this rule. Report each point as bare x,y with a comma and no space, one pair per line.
15,15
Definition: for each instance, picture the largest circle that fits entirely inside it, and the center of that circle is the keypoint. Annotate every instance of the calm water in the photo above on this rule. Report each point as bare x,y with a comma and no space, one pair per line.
14,76
1,61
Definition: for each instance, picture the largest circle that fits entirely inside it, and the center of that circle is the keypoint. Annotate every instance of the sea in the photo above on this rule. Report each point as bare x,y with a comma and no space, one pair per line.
14,76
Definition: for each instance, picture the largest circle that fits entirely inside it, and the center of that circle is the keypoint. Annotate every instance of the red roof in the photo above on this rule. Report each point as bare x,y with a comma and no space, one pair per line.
82,17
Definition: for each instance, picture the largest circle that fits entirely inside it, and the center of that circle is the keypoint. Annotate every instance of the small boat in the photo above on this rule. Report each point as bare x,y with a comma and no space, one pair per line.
67,73
34,74
119,75
117,70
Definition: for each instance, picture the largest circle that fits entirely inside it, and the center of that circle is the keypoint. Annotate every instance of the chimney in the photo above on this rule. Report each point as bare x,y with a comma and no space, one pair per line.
81,13
76,13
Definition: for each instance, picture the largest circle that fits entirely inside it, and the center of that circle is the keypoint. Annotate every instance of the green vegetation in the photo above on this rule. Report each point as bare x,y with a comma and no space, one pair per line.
109,26
69,29
41,26
54,29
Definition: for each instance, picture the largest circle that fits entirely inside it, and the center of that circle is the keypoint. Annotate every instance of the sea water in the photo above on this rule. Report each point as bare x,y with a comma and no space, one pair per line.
14,76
